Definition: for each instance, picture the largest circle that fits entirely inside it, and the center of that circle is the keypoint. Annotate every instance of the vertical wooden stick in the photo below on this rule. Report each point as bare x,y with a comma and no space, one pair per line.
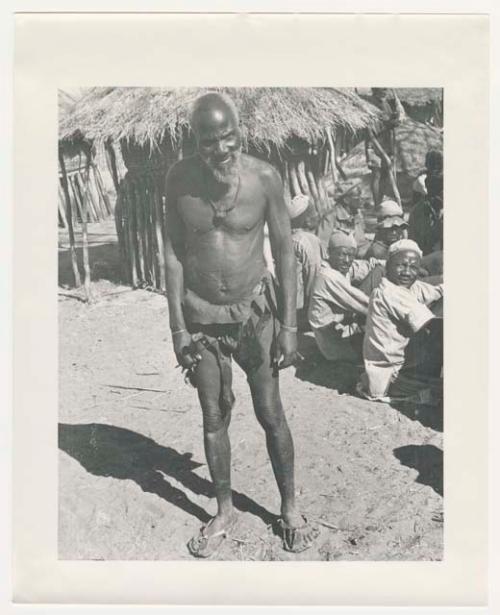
85,243
111,160
286,181
160,245
392,179
313,187
139,216
69,218
301,174
294,180
130,230
60,205
331,147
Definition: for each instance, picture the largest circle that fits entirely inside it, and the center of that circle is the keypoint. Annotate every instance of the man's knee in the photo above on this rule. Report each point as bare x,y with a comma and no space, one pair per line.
271,416
214,419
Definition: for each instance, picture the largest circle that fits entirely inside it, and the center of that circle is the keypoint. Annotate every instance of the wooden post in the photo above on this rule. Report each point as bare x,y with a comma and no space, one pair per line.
60,205
331,148
294,180
313,188
85,242
301,174
132,238
102,191
111,160
382,153
139,217
286,181
160,246
69,218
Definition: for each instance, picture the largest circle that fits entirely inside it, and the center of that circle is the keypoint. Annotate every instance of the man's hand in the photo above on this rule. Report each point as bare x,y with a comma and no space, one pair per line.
286,351
182,342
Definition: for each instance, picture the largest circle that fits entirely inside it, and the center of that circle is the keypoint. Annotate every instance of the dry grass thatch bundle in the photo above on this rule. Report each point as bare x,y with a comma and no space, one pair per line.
293,128
270,116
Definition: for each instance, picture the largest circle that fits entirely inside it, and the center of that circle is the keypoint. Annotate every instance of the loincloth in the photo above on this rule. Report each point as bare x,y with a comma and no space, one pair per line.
245,331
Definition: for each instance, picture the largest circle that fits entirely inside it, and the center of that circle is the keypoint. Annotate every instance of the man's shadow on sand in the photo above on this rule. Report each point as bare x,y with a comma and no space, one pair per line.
427,460
105,450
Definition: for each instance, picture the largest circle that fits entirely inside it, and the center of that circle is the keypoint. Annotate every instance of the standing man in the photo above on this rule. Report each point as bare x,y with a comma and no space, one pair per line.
222,303
379,167
426,218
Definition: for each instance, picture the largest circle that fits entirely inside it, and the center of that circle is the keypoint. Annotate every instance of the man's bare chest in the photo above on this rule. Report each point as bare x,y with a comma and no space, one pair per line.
239,215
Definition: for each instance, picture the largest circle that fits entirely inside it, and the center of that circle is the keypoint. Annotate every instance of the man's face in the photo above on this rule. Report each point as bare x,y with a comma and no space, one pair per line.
392,234
341,259
219,143
402,268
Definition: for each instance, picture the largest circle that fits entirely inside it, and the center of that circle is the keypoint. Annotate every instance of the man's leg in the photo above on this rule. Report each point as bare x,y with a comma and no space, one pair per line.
264,387
216,439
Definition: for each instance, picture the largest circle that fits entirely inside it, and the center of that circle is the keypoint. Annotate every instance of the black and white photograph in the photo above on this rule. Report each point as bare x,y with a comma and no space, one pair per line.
250,309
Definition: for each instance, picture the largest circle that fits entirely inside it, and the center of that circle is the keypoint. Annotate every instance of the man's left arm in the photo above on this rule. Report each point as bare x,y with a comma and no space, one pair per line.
280,236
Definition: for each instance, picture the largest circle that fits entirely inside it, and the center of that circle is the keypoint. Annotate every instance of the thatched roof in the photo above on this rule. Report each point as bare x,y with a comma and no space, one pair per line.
415,97
413,141
419,97
147,116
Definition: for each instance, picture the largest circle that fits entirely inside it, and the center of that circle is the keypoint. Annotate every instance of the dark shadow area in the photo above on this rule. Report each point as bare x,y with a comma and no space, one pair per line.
105,450
339,376
428,415
424,355
104,264
427,460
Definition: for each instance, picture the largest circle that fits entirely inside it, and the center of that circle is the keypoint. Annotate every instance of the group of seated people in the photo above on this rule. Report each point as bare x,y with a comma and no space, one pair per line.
372,303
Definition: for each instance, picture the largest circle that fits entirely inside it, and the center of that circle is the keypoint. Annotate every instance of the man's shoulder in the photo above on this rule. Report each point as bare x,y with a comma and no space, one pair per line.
264,170
329,273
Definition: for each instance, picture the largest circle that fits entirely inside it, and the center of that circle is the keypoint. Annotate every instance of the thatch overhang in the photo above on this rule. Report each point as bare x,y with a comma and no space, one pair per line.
413,97
270,117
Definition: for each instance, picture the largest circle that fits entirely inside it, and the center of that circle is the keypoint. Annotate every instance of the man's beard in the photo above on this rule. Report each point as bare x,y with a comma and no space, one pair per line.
225,173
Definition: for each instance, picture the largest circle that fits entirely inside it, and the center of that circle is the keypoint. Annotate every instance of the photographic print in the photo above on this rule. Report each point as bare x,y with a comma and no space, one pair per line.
250,323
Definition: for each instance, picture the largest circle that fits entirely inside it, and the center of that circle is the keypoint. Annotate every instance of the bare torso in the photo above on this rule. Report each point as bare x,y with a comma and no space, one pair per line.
223,260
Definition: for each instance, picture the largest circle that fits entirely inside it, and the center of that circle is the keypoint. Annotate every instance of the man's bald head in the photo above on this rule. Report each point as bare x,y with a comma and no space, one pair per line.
211,109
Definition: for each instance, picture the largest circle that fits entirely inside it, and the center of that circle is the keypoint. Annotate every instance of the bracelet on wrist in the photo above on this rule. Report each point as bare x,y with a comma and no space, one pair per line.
289,328
178,331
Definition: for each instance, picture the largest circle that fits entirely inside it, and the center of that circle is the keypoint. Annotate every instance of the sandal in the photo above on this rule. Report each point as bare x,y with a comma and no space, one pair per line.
204,546
297,539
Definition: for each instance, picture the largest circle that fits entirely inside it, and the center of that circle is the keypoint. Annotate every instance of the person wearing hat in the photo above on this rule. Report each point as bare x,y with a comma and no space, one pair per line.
307,249
338,308
391,227
398,309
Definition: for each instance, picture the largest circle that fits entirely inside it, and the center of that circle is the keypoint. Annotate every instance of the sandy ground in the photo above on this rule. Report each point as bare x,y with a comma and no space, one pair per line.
132,473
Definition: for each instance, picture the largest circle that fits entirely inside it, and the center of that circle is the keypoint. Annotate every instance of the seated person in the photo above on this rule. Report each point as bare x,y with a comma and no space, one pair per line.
398,309
338,309
308,251
391,227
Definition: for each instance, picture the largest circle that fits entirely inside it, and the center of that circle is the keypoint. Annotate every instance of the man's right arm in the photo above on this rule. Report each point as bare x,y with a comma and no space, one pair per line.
174,256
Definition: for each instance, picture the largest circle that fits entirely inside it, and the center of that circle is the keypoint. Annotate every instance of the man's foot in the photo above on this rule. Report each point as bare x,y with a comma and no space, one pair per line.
297,534
211,535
